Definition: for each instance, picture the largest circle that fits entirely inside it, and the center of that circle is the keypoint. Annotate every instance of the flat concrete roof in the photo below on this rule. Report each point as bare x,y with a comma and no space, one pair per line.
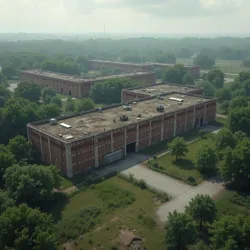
78,79
93,123
159,89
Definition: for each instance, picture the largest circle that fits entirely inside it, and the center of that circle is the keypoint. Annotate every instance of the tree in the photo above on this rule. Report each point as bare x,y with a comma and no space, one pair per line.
4,95
178,147
85,105
166,58
235,167
49,111
32,184
246,87
216,77
56,101
3,79
70,105
188,79
239,136
206,159
21,149
246,63
224,138
26,228
180,231
199,246
239,119
239,102
224,94
202,209
208,88
174,74
48,94
7,159
9,71
28,90
204,61
231,231
5,201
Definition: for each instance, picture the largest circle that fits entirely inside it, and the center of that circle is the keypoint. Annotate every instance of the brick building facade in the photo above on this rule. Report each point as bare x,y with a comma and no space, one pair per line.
96,138
76,86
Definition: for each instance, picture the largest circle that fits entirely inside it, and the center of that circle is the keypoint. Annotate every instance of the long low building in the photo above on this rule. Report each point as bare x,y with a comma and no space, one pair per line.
77,86
194,70
141,92
79,143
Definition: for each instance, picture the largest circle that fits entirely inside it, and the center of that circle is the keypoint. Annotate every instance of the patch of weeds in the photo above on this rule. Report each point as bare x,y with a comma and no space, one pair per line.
147,221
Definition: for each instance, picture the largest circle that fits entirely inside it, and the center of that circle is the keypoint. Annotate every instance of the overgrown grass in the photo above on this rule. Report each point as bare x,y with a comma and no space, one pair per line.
103,231
233,203
159,195
184,169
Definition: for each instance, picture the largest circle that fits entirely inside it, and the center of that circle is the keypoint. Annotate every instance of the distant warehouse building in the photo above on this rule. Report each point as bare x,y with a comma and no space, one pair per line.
77,86
79,143
194,70
141,92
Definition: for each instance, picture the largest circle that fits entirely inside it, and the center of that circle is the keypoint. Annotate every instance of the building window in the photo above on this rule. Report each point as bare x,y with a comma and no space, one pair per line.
61,90
70,92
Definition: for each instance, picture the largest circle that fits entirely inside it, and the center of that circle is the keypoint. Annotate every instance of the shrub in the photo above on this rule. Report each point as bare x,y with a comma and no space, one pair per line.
147,221
155,165
142,184
114,248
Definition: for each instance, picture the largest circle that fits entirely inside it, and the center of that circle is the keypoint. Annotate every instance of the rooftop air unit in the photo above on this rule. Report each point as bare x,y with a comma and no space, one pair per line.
53,121
176,99
160,108
127,108
123,118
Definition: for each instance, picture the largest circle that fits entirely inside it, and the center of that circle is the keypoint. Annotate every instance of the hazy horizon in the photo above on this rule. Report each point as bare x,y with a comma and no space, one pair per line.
168,17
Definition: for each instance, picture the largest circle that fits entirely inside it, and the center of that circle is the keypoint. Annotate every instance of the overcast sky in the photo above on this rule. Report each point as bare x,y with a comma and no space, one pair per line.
125,16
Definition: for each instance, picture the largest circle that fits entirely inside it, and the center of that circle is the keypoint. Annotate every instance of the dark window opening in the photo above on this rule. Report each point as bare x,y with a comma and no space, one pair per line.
131,148
70,92
201,122
196,123
61,90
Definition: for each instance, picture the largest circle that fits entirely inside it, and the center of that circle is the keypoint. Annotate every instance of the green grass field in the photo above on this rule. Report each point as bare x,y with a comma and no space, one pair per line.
184,169
233,67
119,207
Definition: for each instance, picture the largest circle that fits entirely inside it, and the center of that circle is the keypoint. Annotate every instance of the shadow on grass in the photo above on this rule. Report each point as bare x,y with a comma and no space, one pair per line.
184,164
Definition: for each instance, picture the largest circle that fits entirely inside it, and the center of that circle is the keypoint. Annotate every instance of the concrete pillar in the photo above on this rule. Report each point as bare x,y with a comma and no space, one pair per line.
50,158
205,111
185,129
162,128
69,160
79,90
137,138
175,123
194,118
150,132
96,153
112,142
41,147
125,141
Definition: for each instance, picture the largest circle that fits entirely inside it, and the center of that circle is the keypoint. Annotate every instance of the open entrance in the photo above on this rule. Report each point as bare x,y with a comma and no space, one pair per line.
61,90
69,92
130,148
196,123
201,122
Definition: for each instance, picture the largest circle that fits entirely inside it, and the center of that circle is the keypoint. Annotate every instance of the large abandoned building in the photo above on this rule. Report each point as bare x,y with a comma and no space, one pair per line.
194,70
141,92
77,86
79,143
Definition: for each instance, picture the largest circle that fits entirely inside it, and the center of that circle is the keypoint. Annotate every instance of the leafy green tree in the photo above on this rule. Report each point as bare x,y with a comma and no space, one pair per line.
246,87
239,119
48,94
3,79
178,147
224,138
82,61
180,231
201,245
166,58
21,149
216,77
224,94
9,71
239,136
49,111
229,232
23,228
56,101
208,88
188,79
4,95
234,166
204,61
206,159
85,105
5,201
246,63
239,102
174,74
7,159
70,105
32,184
244,76
202,209
28,90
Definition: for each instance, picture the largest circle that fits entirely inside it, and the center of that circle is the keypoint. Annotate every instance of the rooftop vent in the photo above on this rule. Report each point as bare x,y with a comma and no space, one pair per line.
176,99
52,121
68,137
123,118
160,108
100,109
65,125
127,107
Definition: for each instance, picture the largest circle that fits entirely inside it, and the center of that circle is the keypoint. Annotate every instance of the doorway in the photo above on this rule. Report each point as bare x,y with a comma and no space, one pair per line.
196,123
201,122
131,148
69,92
